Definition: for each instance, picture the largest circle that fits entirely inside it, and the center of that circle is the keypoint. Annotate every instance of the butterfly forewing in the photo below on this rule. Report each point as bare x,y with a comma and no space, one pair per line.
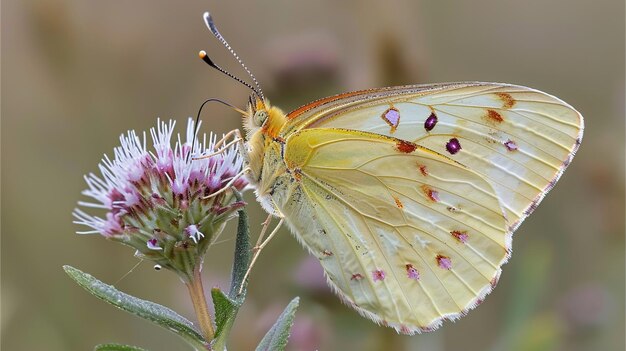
518,138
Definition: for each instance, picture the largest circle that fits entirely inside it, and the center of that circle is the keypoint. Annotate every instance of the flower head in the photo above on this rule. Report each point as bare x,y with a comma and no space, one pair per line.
160,201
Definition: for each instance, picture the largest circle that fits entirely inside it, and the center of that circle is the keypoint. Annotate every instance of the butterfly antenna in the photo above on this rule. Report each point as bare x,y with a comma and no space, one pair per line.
211,25
197,124
203,55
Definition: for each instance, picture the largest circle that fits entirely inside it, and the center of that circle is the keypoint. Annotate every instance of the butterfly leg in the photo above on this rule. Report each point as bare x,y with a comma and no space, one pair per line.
266,224
257,249
237,139
230,183
235,132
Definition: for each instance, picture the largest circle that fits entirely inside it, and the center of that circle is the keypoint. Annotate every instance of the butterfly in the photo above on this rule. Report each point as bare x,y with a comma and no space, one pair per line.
408,195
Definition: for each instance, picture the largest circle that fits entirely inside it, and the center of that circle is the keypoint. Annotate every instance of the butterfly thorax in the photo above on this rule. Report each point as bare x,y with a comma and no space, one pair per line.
262,124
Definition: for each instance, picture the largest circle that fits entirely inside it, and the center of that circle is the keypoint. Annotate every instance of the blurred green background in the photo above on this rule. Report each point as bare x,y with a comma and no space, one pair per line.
76,74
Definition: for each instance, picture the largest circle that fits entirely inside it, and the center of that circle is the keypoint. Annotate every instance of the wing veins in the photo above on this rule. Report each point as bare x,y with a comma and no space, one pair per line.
538,102
532,156
389,191
551,117
393,271
523,180
443,213
323,186
516,126
407,224
347,282
339,196
357,168
489,88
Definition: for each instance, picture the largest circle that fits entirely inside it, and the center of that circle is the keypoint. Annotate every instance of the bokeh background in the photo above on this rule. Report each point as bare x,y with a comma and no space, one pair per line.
76,74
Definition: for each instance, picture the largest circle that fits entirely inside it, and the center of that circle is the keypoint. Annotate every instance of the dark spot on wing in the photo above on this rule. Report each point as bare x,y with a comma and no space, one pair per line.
356,276
453,146
411,272
444,262
378,274
430,122
510,145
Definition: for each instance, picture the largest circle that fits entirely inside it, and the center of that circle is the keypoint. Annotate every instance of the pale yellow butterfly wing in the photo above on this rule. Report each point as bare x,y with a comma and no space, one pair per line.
519,138
386,233
368,204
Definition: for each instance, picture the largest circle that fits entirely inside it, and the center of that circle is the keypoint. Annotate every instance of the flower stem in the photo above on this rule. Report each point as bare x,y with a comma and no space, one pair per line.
196,292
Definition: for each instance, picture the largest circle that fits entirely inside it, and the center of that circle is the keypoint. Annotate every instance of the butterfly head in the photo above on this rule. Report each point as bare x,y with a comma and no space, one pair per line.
261,116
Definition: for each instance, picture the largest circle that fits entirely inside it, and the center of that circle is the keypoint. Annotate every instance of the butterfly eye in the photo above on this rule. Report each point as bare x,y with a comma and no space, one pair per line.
260,117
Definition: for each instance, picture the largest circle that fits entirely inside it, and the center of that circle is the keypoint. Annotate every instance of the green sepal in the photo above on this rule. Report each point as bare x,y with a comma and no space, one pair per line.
276,338
117,347
148,310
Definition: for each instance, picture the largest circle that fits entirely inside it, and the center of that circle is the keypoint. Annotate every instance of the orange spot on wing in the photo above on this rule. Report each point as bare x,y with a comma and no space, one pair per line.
405,146
423,169
461,236
431,194
398,202
507,99
494,116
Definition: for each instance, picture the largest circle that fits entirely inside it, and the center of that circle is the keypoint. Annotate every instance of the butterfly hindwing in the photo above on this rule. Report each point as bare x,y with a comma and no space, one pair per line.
407,236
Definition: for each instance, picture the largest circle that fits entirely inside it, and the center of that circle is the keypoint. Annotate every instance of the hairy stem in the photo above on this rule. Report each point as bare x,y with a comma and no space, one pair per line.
196,292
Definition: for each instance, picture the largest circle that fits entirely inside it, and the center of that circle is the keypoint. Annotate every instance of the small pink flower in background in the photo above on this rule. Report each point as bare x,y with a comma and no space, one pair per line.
309,275
588,305
156,201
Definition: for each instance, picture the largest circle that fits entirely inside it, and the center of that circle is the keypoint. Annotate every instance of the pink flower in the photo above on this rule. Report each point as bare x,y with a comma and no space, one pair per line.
158,200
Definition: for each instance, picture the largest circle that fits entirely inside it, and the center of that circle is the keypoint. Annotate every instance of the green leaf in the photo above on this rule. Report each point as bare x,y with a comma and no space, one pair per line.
117,347
243,254
276,337
148,310
225,314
